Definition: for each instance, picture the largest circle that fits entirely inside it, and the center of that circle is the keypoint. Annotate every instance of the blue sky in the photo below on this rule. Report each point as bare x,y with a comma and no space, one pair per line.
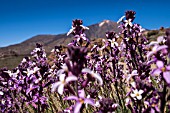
22,19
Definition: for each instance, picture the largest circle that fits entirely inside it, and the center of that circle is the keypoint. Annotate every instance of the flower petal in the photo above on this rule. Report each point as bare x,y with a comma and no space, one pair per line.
139,97
133,84
71,78
77,107
95,75
84,27
162,47
166,76
81,93
84,38
70,31
60,71
71,98
149,54
62,77
54,86
134,72
135,91
98,77
168,68
160,64
130,23
120,19
86,70
141,91
132,95
160,39
89,101
153,43
1,93
61,89
156,72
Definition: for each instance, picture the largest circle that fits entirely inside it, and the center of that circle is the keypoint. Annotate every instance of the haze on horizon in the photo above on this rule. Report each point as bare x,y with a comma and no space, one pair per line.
22,19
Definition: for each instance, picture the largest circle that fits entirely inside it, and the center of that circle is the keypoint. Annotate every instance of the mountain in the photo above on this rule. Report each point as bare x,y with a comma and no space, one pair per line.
50,41
10,56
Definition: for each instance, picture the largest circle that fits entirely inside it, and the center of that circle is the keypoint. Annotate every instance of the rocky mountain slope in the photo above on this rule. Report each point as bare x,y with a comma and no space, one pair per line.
50,41
11,56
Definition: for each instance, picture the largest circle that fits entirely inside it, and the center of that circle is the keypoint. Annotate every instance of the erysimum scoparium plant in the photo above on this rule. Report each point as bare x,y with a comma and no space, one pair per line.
123,73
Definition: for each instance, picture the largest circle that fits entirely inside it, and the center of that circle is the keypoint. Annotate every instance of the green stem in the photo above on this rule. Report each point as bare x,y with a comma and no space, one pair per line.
163,98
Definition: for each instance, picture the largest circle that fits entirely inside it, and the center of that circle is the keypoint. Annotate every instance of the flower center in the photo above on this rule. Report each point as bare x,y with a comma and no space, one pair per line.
163,69
81,100
153,105
137,94
63,82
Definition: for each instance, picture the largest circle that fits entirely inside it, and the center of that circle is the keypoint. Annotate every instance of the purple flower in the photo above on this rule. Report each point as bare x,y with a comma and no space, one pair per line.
95,75
155,49
161,68
130,15
77,27
159,40
80,100
63,81
32,87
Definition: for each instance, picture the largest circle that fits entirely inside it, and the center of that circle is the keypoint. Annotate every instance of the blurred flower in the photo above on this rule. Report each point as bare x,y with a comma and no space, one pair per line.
31,71
80,100
1,93
162,69
107,105
95,75
155,49
159,40
134,73
120,20
63,81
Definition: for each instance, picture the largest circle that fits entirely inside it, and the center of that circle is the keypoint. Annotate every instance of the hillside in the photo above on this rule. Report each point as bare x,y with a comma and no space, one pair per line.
10,56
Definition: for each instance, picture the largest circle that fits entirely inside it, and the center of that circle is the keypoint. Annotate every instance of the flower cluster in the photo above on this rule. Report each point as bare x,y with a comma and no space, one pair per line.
123,73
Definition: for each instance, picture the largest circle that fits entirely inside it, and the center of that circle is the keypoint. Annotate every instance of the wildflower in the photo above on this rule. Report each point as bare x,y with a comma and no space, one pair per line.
63,81
134,73
159,40
95,75
80,100
161,68
32,87
137,94
63,69
82,36
1,93
155,49
128,22
113,42
24,60
11,74
31,71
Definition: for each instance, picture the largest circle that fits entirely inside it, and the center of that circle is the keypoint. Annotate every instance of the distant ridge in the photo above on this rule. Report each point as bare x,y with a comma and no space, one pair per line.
50,41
